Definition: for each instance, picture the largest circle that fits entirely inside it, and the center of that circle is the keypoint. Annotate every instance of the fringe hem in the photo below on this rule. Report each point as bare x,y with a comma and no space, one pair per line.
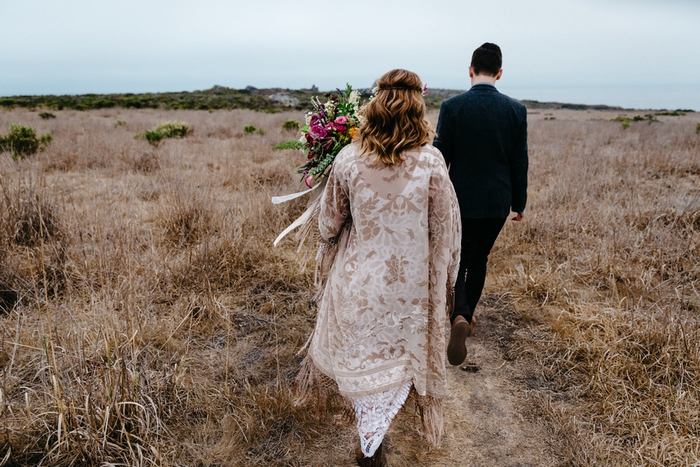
313,384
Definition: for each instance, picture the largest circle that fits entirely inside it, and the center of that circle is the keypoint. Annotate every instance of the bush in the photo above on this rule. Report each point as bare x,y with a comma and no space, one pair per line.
22,141
119,123
697,129
172,129
261,132
153,137
637,118
46,115
675,113
249,129
290,125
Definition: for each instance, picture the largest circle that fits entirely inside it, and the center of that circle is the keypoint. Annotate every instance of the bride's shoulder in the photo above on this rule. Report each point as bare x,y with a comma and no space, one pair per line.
348,153
432,153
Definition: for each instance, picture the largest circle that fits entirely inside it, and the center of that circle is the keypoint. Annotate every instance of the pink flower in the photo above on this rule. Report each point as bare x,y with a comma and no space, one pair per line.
319,131
342,120
309,181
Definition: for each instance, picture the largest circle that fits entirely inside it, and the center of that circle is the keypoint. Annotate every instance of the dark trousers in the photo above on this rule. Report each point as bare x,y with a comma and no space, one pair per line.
478,237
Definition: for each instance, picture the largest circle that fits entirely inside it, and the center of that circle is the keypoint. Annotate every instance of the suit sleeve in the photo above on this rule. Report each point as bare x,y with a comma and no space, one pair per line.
444,139
519,165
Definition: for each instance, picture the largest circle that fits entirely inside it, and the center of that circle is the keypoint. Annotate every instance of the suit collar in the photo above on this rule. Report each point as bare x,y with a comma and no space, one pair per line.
484,87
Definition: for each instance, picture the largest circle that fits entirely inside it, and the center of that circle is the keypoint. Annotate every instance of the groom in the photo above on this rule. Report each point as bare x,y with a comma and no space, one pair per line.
483,136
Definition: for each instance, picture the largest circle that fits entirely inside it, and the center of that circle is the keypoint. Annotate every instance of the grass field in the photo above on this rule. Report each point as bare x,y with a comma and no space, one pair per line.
145,318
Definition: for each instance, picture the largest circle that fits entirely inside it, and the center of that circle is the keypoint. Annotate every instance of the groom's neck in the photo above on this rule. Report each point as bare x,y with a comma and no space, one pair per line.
484,78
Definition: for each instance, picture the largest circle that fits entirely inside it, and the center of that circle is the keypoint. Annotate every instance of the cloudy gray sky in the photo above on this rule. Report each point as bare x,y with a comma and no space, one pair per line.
636,53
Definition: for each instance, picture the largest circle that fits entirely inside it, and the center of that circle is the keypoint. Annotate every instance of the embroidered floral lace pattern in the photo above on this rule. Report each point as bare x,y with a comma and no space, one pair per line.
374,414
381,318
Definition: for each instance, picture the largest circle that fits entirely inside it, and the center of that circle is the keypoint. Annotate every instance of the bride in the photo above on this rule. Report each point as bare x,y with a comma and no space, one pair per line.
391,211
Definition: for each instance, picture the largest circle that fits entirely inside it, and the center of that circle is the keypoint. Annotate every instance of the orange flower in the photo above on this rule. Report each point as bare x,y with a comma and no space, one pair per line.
352,132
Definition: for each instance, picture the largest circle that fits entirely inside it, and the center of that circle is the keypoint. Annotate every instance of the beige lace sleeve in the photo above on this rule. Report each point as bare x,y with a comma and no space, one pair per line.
445,224
335,206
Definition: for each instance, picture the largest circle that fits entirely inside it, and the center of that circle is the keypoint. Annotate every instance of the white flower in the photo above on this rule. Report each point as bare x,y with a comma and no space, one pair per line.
354,97
308,118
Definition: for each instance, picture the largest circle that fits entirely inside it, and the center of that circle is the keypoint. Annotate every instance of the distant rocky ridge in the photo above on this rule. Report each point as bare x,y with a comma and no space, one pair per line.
221,97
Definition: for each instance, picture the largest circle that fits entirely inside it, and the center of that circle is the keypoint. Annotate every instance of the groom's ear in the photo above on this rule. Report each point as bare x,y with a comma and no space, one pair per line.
471,72
500,73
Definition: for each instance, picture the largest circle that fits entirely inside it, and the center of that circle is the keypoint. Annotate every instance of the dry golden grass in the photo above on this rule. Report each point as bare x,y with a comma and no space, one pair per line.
156,325
609,267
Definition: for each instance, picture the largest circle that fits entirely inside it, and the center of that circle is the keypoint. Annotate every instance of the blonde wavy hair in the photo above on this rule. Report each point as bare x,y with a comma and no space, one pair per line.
394,121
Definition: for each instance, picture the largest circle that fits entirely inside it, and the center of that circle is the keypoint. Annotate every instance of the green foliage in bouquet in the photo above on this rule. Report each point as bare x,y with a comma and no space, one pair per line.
289,145
329,127
22,141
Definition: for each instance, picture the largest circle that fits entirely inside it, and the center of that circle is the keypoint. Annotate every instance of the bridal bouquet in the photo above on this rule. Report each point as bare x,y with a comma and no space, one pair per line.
329,127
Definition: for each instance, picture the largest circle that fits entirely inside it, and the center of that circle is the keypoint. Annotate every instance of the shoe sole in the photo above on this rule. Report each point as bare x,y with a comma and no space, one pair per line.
457,348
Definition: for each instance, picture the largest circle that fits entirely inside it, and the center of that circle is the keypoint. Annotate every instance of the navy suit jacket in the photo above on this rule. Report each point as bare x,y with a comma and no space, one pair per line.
482,135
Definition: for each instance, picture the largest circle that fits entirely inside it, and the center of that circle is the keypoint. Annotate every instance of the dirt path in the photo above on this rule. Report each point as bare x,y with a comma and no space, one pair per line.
486,415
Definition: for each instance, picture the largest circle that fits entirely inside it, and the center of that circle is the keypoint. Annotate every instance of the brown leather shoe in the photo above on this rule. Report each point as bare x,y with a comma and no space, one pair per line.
457,347
377,460
472,325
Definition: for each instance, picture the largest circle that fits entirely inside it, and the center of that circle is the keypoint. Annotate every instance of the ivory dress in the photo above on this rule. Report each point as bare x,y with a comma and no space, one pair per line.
381,319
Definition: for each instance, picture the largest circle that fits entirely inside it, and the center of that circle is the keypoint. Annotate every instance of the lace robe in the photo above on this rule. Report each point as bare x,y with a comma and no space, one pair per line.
380,324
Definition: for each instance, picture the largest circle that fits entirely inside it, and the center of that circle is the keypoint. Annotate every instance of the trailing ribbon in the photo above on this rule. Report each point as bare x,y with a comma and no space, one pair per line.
308,217
285,198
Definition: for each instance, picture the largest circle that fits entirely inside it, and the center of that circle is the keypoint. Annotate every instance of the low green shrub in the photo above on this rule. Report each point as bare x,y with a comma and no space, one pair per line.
637,118
249,129
153,137
290,125
261,132
697,129
22,141
119,123
164,130
174,129
46,115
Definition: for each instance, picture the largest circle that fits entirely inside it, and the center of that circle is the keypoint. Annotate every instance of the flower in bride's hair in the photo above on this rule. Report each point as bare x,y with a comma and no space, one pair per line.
425,90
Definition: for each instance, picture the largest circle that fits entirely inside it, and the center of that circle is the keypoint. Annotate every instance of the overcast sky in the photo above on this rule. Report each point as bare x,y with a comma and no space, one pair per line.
636,53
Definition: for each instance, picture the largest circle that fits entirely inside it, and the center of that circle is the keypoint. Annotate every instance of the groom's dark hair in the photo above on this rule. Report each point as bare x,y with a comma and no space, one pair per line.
487,60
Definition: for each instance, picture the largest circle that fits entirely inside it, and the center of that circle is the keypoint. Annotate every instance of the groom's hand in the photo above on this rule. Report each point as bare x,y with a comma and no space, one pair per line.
518,217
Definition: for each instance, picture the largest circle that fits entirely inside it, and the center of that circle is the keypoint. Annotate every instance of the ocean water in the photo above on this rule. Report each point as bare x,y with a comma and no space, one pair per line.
670,97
